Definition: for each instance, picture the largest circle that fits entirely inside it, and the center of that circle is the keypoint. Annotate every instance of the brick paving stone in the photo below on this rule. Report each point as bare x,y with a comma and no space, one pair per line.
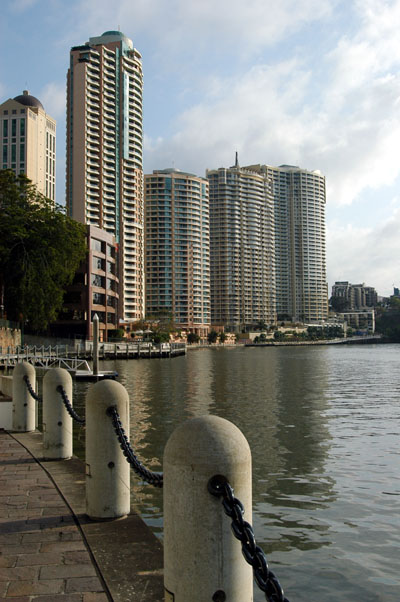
37,559
30,588
83,584
31,548
67,571
65,546
18,599
57,598
76,557
18,573
8,561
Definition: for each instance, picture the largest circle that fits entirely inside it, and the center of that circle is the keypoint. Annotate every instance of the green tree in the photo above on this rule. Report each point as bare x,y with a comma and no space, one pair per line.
193,337
40,250
222,337
212,336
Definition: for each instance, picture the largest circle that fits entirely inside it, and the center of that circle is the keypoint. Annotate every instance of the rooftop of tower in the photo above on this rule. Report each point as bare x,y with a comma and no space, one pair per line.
171,170
28,100
112,36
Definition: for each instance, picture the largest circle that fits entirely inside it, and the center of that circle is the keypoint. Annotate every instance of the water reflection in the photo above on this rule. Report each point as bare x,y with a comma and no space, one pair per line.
322,425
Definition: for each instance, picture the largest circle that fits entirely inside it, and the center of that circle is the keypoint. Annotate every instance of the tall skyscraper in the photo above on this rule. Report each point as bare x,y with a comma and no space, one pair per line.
177,248
104,153
299,200
242,248
28,141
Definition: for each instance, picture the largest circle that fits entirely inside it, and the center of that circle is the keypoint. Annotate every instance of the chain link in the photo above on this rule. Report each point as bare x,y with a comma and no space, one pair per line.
68,406
31,389
153,478
243,531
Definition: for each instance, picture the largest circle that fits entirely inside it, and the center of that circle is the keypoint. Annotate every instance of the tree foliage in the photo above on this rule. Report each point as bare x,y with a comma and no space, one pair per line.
40,250
388,320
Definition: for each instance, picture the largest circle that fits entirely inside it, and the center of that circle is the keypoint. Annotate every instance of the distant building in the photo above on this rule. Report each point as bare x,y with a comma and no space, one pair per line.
104,153
242,253
362,320
28,141
299,199
346,296
177,253
93,291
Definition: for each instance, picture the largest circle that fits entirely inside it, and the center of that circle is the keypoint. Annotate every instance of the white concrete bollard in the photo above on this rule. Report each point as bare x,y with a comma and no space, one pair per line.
202,559
24,405
107,470
57,423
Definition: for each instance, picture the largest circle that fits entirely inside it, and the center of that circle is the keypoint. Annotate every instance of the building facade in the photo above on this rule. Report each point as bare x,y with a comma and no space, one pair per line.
177,253
94,290
242,248
104,153
28,141
353,296
300,248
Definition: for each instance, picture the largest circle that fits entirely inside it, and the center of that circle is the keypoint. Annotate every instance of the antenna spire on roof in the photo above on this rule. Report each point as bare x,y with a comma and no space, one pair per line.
236,160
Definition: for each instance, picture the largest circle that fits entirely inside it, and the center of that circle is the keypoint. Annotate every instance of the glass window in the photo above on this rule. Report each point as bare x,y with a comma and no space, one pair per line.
97,280
110,284
97,263
13,127
5,128
110,267
95,245
22,127
5,153
22,152
13,153
99,299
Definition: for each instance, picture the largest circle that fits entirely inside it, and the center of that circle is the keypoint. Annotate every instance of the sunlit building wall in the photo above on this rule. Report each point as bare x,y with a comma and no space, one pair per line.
177,251
28,141
104,153
300,248
242,248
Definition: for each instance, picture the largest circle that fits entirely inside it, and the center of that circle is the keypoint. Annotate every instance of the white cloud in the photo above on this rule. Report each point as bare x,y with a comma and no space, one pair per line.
369,255
53,99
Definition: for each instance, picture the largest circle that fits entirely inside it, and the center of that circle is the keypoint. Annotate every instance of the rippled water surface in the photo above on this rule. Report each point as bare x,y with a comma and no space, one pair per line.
323,428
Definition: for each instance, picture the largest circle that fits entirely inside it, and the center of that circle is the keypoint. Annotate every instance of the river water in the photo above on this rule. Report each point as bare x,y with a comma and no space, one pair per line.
323,426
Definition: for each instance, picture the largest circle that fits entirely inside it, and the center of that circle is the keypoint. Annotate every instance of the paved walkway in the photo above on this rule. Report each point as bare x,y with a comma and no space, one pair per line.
43,555
50,551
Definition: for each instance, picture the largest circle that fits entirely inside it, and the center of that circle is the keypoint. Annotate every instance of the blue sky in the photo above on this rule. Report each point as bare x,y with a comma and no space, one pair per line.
313,83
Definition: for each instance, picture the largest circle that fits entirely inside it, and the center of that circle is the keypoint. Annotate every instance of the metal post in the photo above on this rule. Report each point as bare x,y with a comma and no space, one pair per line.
23,412
202,558
107,470
95,344
57,423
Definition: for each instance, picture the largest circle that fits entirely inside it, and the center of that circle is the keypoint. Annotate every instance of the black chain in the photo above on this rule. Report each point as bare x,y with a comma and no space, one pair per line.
68,405
154,478
31,389
242,530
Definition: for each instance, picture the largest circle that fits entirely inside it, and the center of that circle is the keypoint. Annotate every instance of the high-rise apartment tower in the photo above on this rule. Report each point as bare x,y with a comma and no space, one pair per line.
178,249
300,259
242,248
104,153
28,141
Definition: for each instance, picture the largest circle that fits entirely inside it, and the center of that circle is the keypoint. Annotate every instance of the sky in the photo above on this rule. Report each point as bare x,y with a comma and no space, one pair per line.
313,83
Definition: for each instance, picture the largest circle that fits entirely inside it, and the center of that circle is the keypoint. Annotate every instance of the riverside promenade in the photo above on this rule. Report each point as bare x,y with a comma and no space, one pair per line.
50,551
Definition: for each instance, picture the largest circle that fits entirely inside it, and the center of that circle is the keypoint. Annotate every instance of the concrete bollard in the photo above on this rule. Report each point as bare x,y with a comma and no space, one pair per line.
57,423
202,559
107,470
24,405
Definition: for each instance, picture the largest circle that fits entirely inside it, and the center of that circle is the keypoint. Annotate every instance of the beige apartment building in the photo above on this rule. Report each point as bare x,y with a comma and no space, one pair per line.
177,249
104,154
242,248
300,246
28,141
